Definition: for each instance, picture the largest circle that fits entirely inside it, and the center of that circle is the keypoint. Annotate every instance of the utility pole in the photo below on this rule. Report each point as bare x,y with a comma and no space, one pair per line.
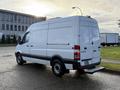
119,23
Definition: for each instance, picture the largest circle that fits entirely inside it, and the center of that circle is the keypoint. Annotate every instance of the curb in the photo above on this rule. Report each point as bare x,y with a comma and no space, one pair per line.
111,71
111,61
7,45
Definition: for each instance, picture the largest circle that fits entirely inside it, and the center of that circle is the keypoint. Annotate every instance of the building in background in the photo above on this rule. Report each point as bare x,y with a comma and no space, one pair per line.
109,39
15,23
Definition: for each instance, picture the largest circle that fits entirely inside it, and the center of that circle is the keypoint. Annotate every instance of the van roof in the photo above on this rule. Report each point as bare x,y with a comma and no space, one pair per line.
60,20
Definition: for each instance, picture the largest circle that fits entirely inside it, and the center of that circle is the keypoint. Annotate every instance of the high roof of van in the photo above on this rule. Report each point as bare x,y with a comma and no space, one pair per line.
82,18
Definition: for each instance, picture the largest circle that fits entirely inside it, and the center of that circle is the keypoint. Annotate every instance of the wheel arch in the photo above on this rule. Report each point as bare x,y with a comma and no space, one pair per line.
56,57
17,52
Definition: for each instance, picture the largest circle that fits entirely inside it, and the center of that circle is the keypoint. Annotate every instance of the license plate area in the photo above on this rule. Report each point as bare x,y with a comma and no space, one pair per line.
86,63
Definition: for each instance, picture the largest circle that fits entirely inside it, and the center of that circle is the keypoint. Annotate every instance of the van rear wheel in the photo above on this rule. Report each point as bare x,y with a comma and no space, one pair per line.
19,59
58,68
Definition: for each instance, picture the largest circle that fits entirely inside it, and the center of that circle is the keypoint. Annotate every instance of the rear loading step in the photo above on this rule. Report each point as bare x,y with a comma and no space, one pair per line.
93,70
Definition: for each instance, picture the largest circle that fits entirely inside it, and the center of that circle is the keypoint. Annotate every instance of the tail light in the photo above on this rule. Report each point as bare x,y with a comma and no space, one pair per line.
76,52
76,55
77,47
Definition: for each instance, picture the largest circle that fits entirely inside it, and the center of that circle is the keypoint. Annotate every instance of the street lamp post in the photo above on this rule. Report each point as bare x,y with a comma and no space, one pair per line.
79,10
119,23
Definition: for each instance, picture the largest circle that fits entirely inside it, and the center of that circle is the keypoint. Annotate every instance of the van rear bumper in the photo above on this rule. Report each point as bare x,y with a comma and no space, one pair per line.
90,65
93,70
77,65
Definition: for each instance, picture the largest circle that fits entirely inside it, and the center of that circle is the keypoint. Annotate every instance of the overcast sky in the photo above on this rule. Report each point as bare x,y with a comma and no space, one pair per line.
106,12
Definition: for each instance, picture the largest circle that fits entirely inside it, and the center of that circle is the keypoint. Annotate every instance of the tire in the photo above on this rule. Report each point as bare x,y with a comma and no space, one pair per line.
58,68
19,59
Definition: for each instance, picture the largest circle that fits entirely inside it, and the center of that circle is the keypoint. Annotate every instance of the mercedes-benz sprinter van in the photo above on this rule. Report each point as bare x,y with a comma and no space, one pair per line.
71,43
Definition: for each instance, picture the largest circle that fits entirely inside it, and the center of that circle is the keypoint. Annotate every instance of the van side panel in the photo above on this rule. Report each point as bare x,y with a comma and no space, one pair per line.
38,44
61,39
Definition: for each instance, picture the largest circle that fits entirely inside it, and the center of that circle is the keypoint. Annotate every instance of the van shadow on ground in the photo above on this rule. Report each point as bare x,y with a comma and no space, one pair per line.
36,76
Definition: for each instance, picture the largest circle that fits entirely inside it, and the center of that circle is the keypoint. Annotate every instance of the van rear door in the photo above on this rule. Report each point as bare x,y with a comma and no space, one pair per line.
85,44
89,42
95,41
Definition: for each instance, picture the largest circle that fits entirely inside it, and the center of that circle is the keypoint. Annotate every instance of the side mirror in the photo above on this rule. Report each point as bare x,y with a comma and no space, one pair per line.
19,40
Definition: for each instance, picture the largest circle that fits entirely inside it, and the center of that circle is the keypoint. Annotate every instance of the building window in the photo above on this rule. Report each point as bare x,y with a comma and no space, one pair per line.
19,19
19,28
7,17
7,27
22,19
11,18
15,18
3,26
15,27
27,20
3,16
11,27
22,28
26,28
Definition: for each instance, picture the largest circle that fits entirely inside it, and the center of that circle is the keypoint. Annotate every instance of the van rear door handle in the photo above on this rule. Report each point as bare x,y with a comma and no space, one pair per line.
27,45
94,50
31,45
85,47
92,43
99,47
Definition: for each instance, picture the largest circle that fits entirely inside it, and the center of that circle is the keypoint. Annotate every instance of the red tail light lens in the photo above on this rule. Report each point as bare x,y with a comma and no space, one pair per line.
77,52
76,55
77,47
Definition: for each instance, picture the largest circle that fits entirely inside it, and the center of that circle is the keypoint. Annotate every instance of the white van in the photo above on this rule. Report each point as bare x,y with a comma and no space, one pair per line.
71,43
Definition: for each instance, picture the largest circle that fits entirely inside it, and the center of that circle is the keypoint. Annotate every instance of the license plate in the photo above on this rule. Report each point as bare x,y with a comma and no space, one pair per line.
86,62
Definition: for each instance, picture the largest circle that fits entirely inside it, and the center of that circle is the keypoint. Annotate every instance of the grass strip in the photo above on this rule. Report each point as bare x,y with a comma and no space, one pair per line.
110,66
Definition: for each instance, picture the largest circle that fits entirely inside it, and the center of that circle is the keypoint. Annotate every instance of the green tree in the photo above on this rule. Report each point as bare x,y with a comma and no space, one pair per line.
3,39
14,39
8,40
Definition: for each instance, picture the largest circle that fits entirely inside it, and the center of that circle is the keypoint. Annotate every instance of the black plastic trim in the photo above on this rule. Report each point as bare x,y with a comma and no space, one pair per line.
65,60
86,59
76,64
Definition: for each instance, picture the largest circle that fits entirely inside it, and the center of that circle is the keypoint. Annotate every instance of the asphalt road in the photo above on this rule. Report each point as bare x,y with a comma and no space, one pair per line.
39,77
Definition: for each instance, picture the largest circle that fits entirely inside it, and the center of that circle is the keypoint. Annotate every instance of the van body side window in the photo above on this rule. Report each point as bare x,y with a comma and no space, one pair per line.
25,38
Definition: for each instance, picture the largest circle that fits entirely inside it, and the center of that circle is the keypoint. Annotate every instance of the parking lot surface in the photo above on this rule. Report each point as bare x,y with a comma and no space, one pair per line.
40,77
